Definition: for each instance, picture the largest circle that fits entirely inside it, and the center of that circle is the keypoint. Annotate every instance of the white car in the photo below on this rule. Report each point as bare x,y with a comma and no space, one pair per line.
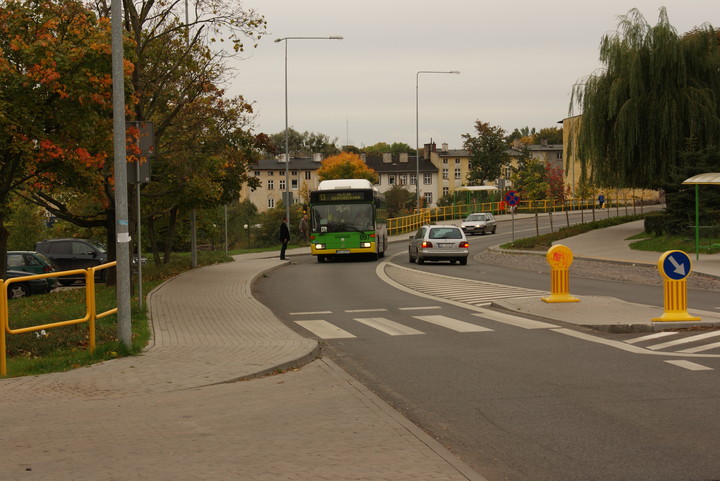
479,223
439,243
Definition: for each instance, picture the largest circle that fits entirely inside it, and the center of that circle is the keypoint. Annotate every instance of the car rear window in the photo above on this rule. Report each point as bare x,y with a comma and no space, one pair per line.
445,233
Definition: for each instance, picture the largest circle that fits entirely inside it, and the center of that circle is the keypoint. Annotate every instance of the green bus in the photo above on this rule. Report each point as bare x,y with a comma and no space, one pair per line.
344,220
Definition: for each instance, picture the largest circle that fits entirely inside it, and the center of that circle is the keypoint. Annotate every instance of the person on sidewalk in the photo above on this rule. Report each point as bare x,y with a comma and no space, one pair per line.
303,229
283,237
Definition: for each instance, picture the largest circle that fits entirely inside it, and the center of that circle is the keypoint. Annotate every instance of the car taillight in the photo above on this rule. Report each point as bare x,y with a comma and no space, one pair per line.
464,245
426,244
48,269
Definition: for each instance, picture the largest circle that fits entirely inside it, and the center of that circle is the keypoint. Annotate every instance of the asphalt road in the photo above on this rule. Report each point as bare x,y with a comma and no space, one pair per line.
513,403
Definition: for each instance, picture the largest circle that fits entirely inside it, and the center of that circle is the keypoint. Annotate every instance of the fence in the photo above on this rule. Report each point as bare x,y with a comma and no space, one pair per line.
412,222
90,309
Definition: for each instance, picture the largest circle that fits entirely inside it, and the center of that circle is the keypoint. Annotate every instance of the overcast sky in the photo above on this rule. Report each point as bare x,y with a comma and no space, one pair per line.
518,62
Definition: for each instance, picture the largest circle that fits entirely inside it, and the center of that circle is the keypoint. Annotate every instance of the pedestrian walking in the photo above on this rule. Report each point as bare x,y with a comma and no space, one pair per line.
283,237
303,228
601,200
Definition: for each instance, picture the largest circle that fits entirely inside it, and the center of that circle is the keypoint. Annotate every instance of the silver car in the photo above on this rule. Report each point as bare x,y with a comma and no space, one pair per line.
479,223
439,243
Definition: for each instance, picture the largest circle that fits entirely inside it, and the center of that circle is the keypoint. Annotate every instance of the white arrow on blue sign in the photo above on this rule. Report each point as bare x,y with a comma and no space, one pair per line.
676,265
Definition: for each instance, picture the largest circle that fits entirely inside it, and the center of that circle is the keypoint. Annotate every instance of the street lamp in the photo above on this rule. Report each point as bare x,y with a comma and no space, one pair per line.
417,130
287,148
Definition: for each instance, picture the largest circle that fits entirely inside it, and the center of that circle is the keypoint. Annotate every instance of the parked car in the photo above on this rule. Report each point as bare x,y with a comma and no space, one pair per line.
33,263
439,243
479,223
70,254
26,287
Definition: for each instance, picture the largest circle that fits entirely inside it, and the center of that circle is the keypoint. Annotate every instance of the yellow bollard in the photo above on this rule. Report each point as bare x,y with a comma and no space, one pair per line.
675,266
559,257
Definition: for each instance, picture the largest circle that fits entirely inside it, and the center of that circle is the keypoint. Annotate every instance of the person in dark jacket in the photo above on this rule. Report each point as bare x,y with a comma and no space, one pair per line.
283,237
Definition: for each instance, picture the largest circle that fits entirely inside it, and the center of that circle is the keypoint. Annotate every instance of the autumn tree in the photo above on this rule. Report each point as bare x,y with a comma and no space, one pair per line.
55,101
346,166
306,142
488,153
529,179
657,96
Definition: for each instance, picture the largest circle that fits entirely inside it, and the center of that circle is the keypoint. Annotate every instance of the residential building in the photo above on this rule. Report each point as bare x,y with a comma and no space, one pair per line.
402,170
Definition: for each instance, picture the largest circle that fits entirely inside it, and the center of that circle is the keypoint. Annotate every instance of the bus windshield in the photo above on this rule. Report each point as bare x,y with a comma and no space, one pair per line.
342,218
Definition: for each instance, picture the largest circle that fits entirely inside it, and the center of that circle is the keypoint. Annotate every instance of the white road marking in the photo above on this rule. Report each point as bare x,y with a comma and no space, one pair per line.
325,330
312,313
513,320
685,340
651,337
419,308
690,365
388,327
365,310
706,347
452,324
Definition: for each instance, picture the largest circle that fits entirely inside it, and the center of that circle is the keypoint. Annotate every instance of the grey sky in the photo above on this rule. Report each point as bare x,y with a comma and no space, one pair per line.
518,61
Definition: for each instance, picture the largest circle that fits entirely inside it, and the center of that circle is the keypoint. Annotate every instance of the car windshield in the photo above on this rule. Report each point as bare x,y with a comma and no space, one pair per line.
445,233
476,217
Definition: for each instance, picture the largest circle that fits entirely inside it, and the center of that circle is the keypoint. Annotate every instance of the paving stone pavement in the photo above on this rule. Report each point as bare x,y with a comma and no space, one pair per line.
184,409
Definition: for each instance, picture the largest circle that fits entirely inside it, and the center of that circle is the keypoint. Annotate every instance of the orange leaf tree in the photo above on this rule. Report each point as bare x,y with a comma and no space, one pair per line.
346,166
55,100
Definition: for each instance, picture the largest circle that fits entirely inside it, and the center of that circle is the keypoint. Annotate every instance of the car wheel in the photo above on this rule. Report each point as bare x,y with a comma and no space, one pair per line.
16,291
411,259
453,261
420,260
321,259
67,282
483,231
494,229
463,261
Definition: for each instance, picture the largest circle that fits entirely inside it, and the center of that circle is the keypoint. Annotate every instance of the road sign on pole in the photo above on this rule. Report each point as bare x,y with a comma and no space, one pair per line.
675,266
512,198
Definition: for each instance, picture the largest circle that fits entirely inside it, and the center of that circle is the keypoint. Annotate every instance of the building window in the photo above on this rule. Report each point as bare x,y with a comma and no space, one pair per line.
271,203
428,198
446,191
293,173
445,161
271,173
427,179
445,173
271,185
307,175
413,179
391,179
257,173
457,174
403,179
457,161
282,184
294,184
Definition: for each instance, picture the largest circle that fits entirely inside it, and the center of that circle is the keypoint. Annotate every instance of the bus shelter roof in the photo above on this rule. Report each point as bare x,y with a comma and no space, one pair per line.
475,188
707,178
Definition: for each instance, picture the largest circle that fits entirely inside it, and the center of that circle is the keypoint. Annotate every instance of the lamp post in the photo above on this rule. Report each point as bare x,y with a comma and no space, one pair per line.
417,130
287,148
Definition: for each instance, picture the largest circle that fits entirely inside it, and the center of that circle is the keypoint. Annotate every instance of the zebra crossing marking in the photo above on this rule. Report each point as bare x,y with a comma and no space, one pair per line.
352,311
692,366
651,337
389,327
685,340
513,320
310,313
419,308
452,324
707,347
325,330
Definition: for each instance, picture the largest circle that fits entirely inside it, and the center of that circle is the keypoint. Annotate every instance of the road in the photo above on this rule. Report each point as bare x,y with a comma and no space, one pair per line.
516,399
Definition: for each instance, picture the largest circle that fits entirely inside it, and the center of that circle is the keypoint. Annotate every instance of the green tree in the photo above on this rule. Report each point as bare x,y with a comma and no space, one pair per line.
346,166
305,143
529,179
550,135
658,94
488,153
399,201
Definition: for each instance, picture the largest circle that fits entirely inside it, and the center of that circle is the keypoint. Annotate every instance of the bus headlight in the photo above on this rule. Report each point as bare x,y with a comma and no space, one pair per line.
319,246
365,244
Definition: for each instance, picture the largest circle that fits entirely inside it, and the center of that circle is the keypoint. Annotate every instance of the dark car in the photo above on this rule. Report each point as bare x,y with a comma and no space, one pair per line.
33,263
439,243
26,287
70,254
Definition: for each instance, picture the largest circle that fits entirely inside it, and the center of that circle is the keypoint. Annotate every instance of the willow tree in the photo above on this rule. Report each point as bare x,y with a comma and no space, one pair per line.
657,96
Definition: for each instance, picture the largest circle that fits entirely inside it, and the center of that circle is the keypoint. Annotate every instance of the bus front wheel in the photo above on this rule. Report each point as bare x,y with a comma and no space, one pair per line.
321,258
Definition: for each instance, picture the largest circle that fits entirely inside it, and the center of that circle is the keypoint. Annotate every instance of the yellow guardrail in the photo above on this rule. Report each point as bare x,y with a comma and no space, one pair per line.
408,223
90,309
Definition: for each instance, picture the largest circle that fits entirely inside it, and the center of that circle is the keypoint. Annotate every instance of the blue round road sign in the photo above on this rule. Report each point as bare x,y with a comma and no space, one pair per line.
675,265
512,198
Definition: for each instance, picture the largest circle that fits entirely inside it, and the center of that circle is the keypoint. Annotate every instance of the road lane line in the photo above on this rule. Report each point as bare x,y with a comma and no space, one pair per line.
452,324
388,327
419,308
310,313
690,365
651,337
513,320
324,330
706,347
685,340
364,310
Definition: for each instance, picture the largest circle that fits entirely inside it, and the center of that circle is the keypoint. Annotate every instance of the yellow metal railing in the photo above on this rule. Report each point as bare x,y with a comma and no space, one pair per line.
409,223
90,309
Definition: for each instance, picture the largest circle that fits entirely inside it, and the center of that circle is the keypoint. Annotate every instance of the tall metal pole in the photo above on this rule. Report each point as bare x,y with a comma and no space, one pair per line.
122,225
287,141
417,131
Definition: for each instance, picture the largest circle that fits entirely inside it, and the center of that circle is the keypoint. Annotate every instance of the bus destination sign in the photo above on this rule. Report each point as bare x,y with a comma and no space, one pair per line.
341,196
